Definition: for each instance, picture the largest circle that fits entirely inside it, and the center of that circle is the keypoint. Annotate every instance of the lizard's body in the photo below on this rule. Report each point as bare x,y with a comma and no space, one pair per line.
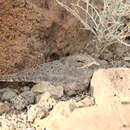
67,72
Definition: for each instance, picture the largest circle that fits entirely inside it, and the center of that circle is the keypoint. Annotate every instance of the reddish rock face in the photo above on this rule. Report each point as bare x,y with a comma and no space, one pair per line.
33,31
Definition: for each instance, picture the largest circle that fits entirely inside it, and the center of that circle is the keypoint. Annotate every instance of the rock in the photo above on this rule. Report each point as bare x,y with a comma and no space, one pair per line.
25,88
121,63
86,102
33,31
46,100
4,107
111,88
8,89
60,112
111,84
111,93
15,120
45,103
23,100
28,96
42,87
36,111
19,102
93,118
8,95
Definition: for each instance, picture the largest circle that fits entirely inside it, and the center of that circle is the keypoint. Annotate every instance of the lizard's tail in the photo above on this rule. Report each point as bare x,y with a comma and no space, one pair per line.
8,78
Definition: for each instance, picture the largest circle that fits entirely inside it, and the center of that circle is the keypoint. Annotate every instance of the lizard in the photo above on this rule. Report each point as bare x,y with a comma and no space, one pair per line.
69,72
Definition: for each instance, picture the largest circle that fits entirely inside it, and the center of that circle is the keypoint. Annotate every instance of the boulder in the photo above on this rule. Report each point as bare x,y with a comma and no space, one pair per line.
23,100
8,95
46,100
4,107
35,31
93,118
60,112
110,85
111,90
42,87
45,103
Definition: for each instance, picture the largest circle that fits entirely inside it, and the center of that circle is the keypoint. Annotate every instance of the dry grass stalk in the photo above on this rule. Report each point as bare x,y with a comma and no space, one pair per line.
109,25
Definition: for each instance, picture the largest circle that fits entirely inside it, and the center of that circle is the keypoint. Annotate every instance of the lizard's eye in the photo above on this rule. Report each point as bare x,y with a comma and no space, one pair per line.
80,61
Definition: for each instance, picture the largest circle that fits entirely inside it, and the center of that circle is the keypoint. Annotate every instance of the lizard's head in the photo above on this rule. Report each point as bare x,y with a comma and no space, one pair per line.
79,60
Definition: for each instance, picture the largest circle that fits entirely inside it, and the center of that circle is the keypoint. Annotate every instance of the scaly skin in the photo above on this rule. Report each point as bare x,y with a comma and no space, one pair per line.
70,69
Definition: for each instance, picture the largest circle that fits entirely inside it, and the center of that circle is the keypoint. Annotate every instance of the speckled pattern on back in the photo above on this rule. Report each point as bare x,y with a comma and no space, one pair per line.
68,67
